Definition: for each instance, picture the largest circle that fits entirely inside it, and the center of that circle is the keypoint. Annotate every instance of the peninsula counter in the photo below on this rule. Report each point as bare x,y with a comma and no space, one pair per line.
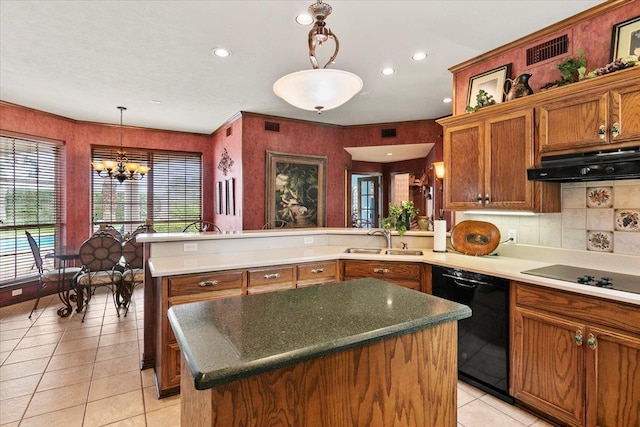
361,352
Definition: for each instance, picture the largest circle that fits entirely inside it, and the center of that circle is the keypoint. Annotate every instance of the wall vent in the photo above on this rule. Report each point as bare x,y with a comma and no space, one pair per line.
388,133
548,49
272,126
228,131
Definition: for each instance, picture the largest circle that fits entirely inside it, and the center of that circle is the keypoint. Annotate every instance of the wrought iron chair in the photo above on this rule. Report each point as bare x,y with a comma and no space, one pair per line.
201,227
111,230
100,256
60,276
133,275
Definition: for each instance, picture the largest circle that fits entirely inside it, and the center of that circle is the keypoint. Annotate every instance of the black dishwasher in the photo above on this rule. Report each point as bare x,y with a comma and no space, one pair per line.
483,338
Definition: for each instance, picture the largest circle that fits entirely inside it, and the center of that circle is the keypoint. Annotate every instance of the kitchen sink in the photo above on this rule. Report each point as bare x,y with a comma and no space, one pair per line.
403,252
362,251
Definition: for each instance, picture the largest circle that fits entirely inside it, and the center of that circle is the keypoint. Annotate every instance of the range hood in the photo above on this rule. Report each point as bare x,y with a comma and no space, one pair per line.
593,166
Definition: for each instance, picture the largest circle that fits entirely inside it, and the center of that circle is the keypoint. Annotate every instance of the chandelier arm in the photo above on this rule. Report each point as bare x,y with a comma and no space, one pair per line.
331,60
312,49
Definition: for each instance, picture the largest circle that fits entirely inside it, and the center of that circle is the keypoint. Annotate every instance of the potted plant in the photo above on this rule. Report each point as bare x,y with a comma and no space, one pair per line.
399,217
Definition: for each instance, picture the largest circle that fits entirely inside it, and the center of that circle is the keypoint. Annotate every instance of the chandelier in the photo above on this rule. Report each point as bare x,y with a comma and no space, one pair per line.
120,168
318,89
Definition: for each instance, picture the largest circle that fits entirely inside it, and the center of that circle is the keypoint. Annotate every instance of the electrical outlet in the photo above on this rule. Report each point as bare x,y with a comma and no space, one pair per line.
16,292
190,247
512,236
308,240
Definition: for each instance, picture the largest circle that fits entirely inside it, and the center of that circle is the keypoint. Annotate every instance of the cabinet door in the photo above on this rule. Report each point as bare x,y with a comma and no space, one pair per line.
625,113
613,378
573,123
508,154
547,364
464,165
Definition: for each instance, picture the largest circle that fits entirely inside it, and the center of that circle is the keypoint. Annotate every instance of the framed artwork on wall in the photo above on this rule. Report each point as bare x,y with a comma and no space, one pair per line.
231,196
217,198
295,189
491,81
625,39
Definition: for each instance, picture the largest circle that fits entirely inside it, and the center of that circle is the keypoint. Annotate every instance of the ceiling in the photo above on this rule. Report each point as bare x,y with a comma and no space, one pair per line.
389,153
81,59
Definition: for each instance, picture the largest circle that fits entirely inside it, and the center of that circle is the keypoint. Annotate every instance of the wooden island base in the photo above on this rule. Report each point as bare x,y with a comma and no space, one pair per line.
407,380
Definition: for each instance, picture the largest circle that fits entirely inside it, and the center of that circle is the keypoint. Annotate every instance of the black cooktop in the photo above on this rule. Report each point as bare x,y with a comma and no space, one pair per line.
589,277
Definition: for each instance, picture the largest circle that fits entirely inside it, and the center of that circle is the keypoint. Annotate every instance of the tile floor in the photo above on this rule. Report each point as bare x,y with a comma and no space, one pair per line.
62,372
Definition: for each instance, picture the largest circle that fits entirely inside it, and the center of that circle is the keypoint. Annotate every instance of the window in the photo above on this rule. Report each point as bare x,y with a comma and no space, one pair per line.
170,195
31,198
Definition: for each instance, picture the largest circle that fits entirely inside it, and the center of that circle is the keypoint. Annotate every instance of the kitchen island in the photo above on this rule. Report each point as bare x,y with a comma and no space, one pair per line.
361,352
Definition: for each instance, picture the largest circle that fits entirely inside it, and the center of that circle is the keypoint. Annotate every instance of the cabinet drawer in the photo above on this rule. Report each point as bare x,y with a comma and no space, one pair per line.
270,276
315,273
581,307
201,283
382,270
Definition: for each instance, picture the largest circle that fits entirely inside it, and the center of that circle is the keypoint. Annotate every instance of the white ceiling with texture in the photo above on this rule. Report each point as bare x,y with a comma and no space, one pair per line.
81,59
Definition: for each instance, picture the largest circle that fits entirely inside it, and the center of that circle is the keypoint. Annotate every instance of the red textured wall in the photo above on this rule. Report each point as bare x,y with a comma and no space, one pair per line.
593,35
299,137
78,138
233,144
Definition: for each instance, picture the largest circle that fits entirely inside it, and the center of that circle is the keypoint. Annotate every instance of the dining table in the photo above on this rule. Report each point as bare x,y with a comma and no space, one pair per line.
65,256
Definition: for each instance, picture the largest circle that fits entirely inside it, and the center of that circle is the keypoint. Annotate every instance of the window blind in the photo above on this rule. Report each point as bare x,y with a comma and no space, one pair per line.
31,198
170,194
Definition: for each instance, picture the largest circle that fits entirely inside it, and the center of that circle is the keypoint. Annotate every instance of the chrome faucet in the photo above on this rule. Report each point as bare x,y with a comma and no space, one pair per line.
384,233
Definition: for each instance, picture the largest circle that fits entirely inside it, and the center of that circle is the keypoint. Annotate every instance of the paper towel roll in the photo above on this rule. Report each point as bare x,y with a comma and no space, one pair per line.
440,236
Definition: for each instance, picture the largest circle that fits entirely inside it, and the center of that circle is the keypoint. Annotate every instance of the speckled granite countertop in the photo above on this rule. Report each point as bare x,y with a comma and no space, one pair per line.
230,339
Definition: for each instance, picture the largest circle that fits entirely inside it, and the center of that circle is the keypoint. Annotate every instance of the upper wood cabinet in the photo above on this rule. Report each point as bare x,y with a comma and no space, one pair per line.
604,117
486,160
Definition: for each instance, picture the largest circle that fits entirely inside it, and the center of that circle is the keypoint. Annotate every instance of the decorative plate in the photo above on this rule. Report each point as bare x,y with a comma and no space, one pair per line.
475,237
599,197
627,219
600,241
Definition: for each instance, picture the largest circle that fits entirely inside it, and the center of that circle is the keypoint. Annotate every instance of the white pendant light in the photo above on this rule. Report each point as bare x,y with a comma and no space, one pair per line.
318,89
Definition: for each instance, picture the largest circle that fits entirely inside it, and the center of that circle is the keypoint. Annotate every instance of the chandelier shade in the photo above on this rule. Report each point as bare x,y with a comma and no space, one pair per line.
318,89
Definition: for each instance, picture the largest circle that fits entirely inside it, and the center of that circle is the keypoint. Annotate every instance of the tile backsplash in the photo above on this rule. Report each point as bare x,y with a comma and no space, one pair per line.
602,216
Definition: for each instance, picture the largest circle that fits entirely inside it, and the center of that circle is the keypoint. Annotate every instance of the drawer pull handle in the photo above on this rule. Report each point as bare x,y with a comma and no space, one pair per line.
381,270
578,338
271,276
207,283
317,270
591,342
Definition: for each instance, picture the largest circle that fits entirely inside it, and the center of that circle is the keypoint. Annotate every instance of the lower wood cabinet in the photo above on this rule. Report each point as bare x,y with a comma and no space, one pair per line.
407,274
224,284
575,358
183,289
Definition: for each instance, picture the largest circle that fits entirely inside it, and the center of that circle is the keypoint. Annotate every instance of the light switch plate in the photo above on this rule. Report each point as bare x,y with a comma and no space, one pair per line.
308,240
512,236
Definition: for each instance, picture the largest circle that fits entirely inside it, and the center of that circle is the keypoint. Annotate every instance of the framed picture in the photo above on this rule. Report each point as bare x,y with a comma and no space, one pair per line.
295,189
223,198
491,82
231,196
217,197
625,39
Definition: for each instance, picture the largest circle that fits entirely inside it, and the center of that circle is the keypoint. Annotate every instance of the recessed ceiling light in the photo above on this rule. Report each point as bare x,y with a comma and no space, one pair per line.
447,100
419,56
388,71
220,52
389,154
304,19
156,101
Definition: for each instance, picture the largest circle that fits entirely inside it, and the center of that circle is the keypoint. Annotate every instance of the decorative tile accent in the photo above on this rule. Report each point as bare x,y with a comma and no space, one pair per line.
599,241
599,197
627,219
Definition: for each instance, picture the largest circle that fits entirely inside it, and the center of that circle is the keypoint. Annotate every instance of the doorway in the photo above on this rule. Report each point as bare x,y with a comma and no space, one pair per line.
365,196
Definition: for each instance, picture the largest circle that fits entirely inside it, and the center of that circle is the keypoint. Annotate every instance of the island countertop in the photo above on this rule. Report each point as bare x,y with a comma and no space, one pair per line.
230,339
